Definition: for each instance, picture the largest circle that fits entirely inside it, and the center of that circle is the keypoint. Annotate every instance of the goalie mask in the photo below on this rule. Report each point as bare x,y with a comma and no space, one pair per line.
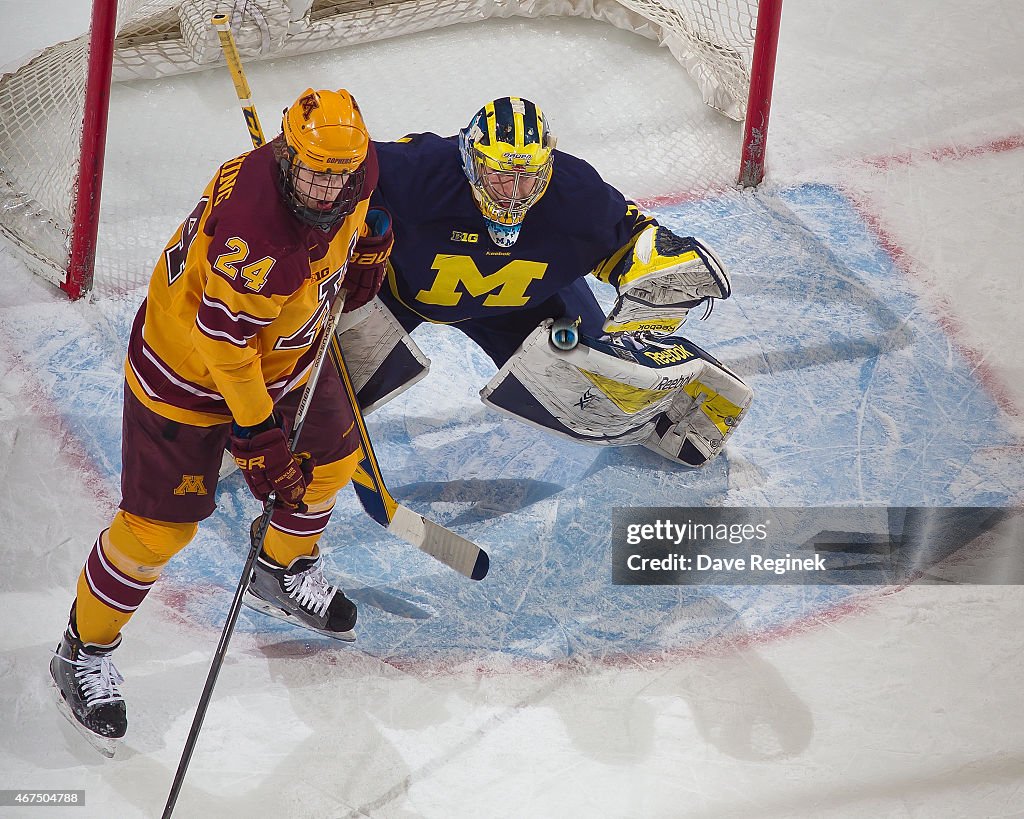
322,161
507,154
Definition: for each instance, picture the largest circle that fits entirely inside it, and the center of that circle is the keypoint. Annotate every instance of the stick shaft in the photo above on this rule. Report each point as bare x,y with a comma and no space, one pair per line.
221,23
440,543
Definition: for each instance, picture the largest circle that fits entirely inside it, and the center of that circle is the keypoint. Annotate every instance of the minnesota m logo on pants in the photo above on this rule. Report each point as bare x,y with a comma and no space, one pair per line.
193,484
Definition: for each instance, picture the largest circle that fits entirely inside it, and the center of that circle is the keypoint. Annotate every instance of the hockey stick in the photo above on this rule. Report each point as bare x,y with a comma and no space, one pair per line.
221,22
258,536
440,543
435,540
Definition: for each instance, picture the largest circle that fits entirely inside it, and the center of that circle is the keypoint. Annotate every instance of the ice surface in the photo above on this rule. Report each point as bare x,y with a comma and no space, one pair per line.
878,293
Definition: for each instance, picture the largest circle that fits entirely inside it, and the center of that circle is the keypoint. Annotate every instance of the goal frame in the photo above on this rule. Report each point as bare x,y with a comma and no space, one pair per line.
85,223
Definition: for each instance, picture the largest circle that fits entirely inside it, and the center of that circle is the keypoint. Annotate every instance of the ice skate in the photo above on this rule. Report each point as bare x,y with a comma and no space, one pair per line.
300,594
86,682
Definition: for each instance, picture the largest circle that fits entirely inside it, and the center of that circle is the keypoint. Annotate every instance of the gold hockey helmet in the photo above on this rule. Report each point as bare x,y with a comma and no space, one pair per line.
326,143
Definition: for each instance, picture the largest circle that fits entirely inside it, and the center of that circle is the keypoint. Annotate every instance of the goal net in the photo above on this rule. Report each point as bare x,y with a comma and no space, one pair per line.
53,105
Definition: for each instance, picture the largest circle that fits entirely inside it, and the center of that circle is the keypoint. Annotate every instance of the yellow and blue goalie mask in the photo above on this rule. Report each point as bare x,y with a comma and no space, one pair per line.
507,155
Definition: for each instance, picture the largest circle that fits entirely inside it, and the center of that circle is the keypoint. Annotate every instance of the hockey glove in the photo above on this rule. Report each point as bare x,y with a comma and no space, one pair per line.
262,454
369,260
660,278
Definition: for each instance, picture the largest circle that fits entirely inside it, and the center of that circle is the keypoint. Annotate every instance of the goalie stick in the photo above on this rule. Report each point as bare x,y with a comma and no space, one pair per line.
442,544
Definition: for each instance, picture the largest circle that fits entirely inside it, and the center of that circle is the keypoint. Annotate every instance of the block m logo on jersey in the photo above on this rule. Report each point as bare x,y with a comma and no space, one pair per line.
191,485
506,286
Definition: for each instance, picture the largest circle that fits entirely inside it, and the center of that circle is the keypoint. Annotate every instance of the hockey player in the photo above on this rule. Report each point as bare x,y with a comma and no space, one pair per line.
496,232
218,355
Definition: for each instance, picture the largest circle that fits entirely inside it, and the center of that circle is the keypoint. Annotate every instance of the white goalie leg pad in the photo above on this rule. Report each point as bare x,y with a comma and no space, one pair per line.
704,415
382,360
608,395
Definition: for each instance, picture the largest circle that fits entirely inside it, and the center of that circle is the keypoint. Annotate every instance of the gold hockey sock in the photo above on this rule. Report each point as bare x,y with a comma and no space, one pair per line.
125,561
294,534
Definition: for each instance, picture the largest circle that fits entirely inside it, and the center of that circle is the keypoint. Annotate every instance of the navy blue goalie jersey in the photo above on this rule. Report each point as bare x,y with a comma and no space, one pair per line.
444,266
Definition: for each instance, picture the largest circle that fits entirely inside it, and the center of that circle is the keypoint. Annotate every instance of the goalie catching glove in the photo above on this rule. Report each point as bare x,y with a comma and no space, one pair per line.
660,277
262,454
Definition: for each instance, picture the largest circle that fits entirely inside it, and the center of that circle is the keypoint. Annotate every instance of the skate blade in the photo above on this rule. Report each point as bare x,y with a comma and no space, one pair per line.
105,745
261,605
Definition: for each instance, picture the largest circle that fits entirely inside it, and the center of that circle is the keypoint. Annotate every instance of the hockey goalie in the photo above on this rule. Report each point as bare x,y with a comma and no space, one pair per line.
495,233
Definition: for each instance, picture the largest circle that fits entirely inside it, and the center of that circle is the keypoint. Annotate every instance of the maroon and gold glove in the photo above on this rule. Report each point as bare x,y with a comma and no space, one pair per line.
369,260
262,454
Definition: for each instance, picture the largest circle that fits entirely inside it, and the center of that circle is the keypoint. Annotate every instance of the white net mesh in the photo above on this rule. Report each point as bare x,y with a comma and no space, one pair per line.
41,102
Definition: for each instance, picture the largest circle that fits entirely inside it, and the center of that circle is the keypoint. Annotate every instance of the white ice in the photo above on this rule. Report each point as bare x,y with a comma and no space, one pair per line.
878,314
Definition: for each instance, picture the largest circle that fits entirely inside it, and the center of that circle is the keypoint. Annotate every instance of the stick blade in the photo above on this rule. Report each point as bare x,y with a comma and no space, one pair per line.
440,543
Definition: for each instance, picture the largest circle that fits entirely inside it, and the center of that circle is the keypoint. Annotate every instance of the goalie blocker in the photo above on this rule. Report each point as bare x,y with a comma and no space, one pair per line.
664,393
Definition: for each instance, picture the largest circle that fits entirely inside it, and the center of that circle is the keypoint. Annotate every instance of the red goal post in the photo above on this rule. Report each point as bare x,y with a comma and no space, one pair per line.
53,106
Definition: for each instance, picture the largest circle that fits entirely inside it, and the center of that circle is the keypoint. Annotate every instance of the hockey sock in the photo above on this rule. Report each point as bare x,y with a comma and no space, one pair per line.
294,534
125,561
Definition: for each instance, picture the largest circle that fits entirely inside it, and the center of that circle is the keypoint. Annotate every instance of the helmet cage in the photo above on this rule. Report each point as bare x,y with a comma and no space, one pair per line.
507,189
345,200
